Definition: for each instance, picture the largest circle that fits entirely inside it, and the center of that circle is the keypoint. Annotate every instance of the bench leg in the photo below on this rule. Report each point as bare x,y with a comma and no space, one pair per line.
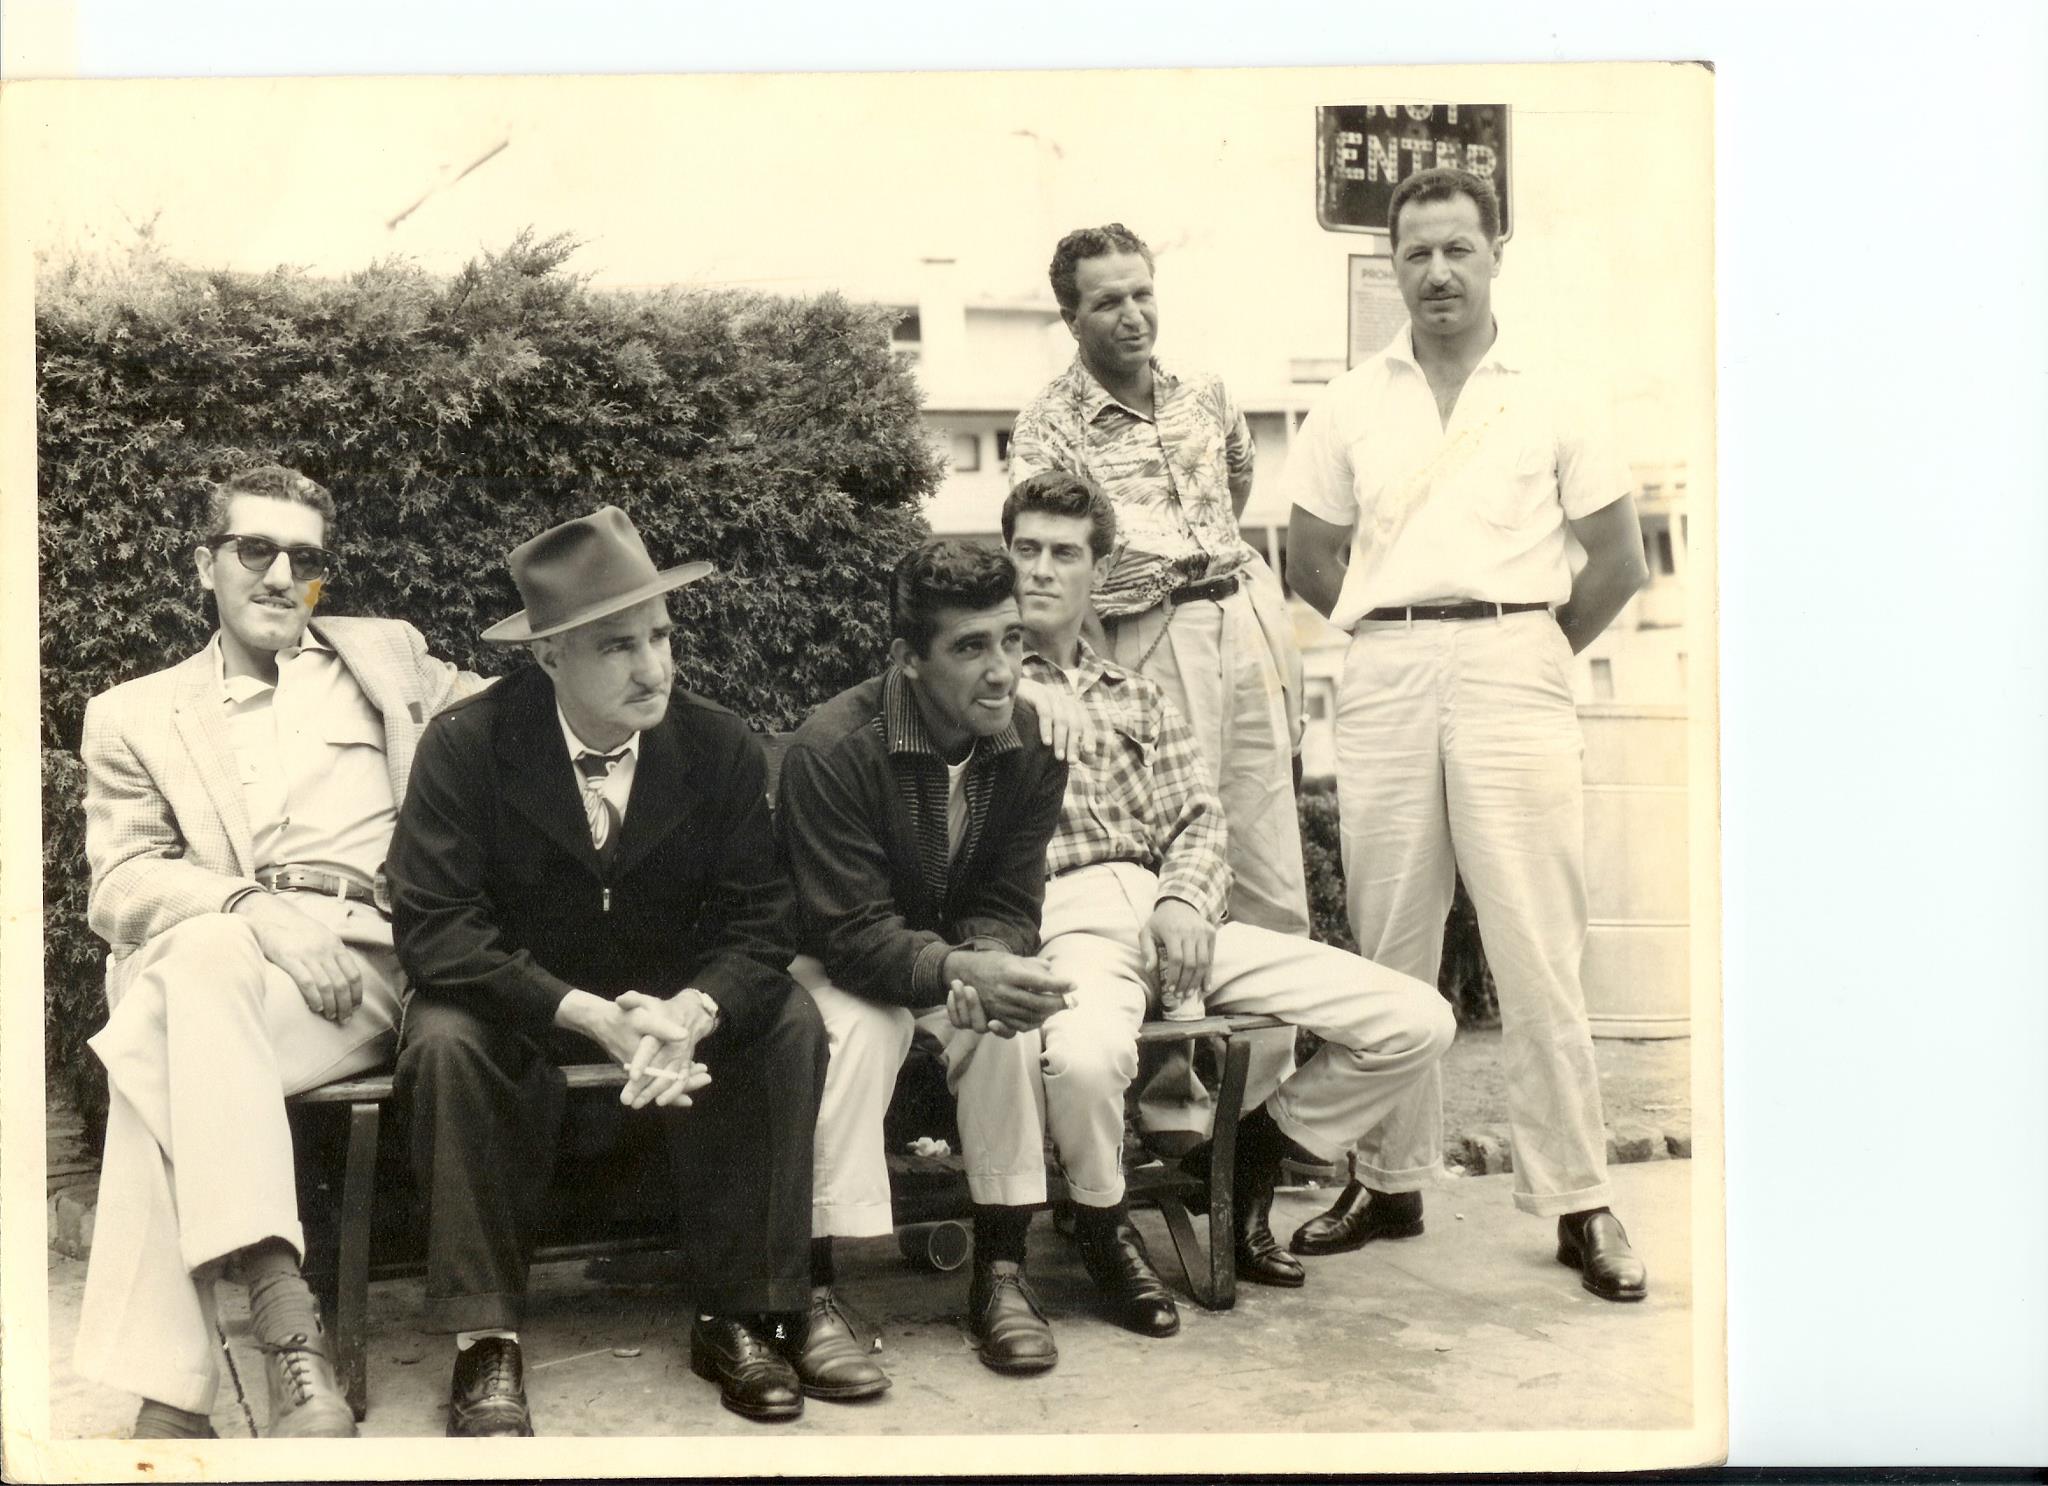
1212,1276
1237,1062
352,1262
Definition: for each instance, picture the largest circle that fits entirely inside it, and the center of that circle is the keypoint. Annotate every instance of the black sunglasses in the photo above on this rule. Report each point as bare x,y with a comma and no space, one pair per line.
258,553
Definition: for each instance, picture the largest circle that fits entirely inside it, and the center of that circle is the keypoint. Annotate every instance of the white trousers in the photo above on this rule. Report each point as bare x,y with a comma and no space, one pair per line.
849,1166
1381,1031
1459,753
201,1050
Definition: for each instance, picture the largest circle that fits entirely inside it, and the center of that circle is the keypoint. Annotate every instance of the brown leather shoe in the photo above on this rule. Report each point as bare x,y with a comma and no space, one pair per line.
1595,1244
754,1380
1010,1331
1356,1218
306,1403
487,1399
830,1362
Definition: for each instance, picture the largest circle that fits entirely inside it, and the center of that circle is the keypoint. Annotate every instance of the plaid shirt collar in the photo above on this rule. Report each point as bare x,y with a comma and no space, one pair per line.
904,730
1089,670
1091,397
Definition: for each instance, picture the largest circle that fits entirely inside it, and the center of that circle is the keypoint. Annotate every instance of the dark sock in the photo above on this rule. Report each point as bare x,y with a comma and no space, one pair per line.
1099,1222
159,1421
821,1262
999,1232
280,1304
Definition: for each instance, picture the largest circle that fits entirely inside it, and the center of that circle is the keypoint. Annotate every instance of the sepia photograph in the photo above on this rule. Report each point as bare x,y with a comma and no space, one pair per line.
868,774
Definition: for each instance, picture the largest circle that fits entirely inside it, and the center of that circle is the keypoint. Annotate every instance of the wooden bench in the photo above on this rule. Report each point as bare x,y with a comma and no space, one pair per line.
1210,1268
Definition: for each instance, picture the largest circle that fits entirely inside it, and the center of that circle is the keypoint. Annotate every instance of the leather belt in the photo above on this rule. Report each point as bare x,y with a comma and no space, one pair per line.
296,879
1474,610
1216,589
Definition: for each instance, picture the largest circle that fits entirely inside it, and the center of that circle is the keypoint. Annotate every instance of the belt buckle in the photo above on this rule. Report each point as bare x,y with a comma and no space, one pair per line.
380,893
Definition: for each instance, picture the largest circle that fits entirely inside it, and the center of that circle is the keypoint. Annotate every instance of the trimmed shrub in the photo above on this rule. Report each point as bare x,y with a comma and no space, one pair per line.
1463,978
454,418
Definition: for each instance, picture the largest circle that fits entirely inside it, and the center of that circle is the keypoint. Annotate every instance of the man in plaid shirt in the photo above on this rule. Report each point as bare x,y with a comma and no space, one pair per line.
1137,886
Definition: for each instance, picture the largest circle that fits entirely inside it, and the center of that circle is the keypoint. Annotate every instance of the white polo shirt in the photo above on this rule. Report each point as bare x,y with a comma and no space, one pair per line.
1475,509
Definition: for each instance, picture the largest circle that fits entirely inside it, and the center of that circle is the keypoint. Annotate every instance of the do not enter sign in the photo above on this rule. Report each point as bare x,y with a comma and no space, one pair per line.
1363,150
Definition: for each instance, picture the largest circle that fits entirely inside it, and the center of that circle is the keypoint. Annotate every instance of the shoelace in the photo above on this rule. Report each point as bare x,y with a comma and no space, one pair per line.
1015,1282
297,1352
500,1376
831,1305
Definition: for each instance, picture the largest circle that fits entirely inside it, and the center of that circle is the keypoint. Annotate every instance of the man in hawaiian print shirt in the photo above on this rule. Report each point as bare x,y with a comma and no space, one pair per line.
1187,602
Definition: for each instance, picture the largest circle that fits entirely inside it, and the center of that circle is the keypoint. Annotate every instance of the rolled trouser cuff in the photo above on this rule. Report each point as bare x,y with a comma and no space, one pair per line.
1414,1179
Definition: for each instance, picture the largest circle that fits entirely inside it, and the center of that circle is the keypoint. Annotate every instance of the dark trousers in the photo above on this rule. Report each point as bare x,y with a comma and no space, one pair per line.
487,1106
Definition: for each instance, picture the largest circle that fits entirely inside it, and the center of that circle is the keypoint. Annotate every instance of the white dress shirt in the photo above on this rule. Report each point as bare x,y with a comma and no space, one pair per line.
309,750
1471,509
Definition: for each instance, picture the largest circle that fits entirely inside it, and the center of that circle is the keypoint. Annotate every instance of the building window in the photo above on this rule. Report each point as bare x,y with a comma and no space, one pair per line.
1003,449
1661,546
965,452
1602,671
1318,701
1684,676
908,328
1684,532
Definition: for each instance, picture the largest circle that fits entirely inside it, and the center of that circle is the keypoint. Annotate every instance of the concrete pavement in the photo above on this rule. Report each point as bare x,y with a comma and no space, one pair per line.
1472,1326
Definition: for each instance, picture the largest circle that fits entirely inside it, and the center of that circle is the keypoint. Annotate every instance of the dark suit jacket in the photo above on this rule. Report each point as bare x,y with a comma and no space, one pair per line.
498,897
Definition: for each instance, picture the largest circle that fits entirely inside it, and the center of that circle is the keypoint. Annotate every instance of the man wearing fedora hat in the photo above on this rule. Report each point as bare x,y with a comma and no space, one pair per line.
584,869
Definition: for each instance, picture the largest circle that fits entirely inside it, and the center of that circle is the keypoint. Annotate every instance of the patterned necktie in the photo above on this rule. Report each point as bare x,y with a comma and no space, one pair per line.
600,812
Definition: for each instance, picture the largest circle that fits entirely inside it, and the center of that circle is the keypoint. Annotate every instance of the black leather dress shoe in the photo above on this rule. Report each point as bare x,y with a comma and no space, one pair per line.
488,1397
1011,1333
1116,1260
830,1362
1595,1244
1358,1217
754,1379
1260,1259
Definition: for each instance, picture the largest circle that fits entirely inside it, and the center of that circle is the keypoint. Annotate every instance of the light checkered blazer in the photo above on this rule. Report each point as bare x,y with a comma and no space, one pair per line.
166,830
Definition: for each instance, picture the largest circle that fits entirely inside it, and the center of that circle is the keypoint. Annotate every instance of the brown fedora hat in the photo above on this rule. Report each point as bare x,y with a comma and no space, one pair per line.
583,570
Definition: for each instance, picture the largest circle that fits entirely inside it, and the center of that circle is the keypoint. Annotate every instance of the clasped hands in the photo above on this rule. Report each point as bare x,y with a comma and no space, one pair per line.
653,1039
991,990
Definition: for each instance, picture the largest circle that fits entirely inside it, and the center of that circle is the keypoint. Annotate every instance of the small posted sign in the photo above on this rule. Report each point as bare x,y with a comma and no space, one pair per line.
1363,150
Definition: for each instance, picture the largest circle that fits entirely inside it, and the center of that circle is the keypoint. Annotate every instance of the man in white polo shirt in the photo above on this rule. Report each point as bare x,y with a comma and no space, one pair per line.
1437,488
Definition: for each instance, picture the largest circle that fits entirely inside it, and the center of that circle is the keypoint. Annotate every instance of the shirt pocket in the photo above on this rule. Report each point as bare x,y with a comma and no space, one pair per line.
356,726
1521,480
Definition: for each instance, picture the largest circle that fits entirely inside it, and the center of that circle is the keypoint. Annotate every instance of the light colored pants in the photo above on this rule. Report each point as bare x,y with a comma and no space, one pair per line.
1458,753
1382,1031
996,1090
849,1165
201,1050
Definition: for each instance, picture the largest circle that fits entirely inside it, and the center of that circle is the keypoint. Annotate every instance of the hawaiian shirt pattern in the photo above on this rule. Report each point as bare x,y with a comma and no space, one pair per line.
1141,795
921,777
1172,476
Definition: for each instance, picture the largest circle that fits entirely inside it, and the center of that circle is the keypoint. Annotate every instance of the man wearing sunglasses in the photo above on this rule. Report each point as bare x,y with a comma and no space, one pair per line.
238,808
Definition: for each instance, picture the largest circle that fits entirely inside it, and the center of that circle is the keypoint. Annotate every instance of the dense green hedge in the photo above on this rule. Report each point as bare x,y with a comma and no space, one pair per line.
453,418
1463,979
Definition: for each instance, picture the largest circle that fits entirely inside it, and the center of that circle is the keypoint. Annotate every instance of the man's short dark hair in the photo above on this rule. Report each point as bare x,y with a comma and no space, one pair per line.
946,573
1090,242
1061,493
1441,183
270,482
